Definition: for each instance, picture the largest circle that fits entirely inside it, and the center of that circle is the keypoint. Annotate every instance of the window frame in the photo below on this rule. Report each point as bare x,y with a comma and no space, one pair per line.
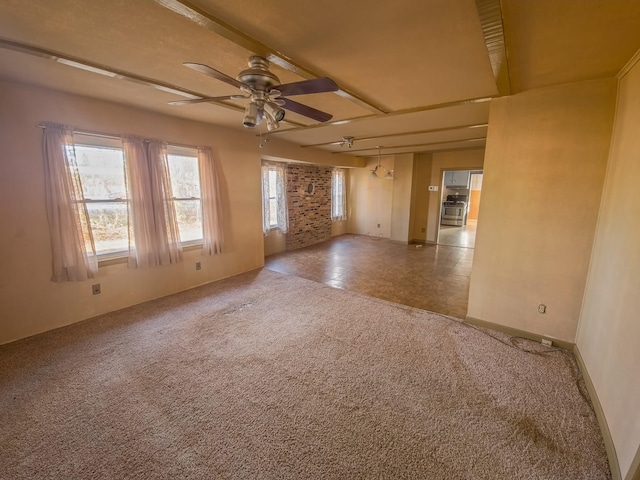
341,196
279,223
115,143
107,143
273,221
191,152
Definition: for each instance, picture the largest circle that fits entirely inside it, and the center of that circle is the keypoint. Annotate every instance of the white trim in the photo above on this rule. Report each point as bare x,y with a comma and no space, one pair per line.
630,64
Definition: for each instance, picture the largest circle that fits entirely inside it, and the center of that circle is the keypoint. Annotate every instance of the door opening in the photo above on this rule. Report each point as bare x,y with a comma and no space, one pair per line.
461,190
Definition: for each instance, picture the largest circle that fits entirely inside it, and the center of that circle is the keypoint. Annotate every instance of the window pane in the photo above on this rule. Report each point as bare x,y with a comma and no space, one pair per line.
101,172
272,183
185,181
109,225
189,219
273,211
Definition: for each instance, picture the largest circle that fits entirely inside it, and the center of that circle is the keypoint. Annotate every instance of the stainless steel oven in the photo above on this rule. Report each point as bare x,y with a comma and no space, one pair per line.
454,210
453,215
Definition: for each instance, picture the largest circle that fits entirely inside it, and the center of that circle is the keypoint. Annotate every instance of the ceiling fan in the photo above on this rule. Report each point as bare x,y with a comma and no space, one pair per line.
267,97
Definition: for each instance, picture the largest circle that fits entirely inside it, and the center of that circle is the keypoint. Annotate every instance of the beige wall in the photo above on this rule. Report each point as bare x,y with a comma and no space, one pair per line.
441,161
275,242
404,206
543,174
420,196
370,200
29,301
609,331
401,197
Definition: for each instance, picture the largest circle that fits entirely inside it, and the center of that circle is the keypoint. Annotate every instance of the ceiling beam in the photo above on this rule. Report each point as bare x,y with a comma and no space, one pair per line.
490,13
92,67
417,145
456,103
225,30
402,134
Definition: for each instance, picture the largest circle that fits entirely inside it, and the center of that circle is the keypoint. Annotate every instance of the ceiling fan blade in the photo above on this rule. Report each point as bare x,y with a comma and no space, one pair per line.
212,72
207,99
316,85
306,111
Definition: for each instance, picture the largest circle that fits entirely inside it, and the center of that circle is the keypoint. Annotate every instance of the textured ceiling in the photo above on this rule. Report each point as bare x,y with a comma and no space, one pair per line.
412,66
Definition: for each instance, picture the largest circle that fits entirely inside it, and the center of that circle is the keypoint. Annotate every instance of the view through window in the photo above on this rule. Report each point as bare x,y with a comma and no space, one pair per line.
273,199
102,175
185,184
102,172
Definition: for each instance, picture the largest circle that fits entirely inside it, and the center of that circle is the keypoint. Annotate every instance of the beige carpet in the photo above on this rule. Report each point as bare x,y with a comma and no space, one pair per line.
275,377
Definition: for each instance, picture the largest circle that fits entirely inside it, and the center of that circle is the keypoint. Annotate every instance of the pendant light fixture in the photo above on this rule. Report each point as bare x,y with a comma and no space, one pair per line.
374,172
379,167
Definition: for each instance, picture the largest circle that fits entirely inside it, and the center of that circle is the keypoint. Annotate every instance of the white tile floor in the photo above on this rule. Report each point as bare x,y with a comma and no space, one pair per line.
464,236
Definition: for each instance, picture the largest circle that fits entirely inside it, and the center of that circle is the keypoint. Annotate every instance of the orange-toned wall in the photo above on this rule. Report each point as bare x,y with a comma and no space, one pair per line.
474,203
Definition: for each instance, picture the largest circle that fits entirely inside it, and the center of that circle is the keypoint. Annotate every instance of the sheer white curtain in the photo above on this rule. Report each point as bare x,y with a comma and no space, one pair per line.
66,210
167,231
154,238
338,195
213,238
281,210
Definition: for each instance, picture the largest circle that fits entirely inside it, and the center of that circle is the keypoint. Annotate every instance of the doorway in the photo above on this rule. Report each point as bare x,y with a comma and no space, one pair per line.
461,191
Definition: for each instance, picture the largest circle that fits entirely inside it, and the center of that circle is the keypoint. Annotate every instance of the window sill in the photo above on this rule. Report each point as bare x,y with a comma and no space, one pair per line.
122,257
272,231
112,259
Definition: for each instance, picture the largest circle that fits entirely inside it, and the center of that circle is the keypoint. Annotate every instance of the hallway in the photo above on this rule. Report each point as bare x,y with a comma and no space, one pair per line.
430,277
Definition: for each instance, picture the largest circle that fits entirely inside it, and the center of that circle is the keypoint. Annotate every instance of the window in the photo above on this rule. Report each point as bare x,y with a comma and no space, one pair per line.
102,173
112,197
185,185
338,195
274,200
102,170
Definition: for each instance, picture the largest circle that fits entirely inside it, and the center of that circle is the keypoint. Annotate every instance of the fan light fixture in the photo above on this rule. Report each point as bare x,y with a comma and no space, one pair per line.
254,112
251,115
275,111
379,167
348,141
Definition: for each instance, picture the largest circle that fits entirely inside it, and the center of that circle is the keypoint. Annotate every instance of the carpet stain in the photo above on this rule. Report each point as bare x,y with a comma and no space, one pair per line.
527,428
238,308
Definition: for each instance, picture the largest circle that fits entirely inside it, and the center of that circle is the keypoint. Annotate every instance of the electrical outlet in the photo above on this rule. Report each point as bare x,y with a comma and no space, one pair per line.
542,308
378,225
547,342
423,229
198,266
433,188
95,289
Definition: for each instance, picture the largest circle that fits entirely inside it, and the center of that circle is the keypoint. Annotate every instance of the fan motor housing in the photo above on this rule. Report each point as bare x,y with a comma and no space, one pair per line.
258,75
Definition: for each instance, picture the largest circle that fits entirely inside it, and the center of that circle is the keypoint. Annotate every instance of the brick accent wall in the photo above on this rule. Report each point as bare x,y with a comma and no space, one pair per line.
309,213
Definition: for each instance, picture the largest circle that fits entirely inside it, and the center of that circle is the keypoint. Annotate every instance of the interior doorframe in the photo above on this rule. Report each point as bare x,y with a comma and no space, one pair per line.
441,187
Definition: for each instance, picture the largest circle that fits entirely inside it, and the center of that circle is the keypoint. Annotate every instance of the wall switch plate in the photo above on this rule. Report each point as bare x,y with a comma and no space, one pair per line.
95,289
542,308
198,266
378,225
433,188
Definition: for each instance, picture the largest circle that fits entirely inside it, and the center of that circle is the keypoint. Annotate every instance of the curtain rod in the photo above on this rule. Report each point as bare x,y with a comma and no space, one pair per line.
114,137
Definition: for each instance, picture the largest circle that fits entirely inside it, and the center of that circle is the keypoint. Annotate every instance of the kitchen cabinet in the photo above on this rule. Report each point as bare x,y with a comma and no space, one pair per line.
457,178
